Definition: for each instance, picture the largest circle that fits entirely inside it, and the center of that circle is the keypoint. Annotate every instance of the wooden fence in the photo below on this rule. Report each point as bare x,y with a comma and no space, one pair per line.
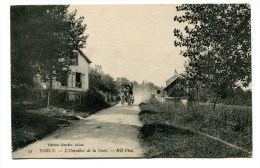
171,101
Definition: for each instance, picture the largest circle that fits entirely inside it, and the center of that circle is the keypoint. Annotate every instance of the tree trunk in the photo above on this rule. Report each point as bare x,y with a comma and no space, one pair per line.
188,100
197,94
214,106
50,92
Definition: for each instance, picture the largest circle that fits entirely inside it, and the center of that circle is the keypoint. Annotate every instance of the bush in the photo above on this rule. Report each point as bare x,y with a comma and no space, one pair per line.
60,99
20,93
91,102
93,98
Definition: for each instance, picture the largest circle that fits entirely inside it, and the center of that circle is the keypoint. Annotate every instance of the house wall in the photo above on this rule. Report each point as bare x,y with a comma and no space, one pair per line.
169,91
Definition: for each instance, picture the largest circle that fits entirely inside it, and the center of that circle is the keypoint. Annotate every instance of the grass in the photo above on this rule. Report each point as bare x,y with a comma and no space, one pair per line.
229,123
169,141
28,127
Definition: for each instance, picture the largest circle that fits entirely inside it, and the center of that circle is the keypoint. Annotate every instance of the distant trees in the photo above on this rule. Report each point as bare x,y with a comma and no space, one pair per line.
43,41
217,43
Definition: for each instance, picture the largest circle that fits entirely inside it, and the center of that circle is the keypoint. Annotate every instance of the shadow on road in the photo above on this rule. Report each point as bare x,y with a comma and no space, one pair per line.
150,129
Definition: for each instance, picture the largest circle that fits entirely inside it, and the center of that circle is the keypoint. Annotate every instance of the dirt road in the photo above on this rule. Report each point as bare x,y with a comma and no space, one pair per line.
112,132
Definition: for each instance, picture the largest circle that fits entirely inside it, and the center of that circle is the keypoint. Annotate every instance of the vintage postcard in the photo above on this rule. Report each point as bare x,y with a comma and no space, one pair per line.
131,81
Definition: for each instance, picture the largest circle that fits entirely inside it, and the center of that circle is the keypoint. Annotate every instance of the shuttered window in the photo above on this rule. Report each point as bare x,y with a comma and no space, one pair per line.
78,80
83,81
73,79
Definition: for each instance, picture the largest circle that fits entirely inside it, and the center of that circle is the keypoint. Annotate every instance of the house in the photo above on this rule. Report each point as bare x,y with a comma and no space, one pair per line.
73,81
176,87
76,80
175,91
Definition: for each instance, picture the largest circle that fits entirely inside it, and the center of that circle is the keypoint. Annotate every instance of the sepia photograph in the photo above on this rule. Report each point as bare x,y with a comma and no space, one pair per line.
131,81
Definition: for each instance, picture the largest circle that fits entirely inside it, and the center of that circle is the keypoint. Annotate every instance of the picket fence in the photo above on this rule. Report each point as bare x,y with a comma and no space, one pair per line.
171,101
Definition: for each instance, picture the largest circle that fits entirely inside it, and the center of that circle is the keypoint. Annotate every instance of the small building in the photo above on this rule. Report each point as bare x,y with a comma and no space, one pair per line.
175,91
175,86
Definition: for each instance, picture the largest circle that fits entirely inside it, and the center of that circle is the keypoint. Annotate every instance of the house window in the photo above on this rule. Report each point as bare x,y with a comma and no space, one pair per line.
74,61
78,80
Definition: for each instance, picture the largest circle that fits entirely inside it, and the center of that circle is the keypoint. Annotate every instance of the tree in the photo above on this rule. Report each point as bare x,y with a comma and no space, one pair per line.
109,85
102,82
21,69
95,77
43,41
217,43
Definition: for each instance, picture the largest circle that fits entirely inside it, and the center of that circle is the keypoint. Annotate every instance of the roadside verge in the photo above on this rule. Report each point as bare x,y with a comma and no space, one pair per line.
174,133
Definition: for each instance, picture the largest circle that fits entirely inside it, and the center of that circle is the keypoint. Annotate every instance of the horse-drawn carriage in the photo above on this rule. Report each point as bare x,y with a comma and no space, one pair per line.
127,96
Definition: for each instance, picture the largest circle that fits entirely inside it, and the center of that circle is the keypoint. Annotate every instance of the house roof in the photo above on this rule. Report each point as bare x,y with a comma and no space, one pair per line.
84,55
172,79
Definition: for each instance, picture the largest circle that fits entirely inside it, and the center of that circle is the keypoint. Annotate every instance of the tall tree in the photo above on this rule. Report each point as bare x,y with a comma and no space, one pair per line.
217,42
43,41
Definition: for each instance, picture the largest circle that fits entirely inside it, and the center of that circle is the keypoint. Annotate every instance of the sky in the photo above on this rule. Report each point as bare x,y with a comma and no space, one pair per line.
132,41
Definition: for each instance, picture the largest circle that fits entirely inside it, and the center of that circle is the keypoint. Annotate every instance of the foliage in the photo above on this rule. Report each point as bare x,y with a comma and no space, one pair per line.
60,99
109,84
217,43
95,78
43,41
20,92
239,97
93,98
100,81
